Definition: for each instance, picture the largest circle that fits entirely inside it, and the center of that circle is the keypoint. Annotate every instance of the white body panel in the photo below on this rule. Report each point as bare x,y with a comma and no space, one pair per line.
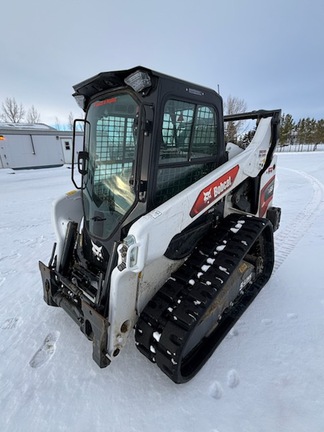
233,150
154,231
65,209
129,293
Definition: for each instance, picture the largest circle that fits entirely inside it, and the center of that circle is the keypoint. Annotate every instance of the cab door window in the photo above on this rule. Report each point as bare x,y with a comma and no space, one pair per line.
188,150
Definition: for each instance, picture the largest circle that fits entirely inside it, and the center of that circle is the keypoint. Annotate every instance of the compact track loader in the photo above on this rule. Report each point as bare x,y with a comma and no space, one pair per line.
169,235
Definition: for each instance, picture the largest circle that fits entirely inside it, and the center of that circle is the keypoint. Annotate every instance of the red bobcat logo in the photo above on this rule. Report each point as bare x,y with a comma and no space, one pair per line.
211,192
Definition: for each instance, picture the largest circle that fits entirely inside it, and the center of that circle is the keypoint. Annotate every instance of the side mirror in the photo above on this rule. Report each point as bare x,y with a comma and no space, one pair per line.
80,127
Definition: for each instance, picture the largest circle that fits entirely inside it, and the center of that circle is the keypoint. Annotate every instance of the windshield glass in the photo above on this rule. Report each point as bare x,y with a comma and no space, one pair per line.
111,140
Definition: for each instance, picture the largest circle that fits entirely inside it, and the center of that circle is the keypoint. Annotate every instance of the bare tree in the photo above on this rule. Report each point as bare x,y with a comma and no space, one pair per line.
233,105
70,120
33,115
57,124
12,111
79,125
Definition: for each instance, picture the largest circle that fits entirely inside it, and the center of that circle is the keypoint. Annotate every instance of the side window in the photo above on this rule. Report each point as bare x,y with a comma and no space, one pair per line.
178,120
204,133
188,132
188,149
67,145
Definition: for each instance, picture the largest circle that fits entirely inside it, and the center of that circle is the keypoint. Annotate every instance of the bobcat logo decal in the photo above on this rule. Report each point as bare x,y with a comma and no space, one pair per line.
97,251
207,196
214,191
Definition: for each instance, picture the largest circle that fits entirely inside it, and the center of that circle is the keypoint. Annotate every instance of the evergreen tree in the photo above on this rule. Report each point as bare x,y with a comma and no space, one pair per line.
312,131
301,131
320,131
287,130
230,132
308,131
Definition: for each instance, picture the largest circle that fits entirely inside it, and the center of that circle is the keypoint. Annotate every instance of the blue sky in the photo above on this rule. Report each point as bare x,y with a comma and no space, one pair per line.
268,53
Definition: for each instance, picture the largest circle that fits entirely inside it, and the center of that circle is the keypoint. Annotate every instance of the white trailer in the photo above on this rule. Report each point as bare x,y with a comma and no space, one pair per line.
25,146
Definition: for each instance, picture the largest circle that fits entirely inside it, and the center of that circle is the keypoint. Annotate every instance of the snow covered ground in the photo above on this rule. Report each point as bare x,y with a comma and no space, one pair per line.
266,376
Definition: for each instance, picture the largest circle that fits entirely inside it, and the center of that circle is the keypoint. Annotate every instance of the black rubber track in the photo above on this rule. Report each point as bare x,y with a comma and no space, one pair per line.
189,307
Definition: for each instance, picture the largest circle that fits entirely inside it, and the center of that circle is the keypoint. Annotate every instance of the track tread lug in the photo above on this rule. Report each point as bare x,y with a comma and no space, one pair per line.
168,320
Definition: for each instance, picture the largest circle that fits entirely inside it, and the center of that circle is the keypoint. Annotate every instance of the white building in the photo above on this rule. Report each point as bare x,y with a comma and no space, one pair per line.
24,146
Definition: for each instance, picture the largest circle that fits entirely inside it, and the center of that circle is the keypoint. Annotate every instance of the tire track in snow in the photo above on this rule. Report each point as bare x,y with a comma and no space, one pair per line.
286,240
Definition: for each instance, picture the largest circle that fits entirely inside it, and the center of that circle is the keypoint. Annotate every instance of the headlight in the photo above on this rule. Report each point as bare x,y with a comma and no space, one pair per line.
138,80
